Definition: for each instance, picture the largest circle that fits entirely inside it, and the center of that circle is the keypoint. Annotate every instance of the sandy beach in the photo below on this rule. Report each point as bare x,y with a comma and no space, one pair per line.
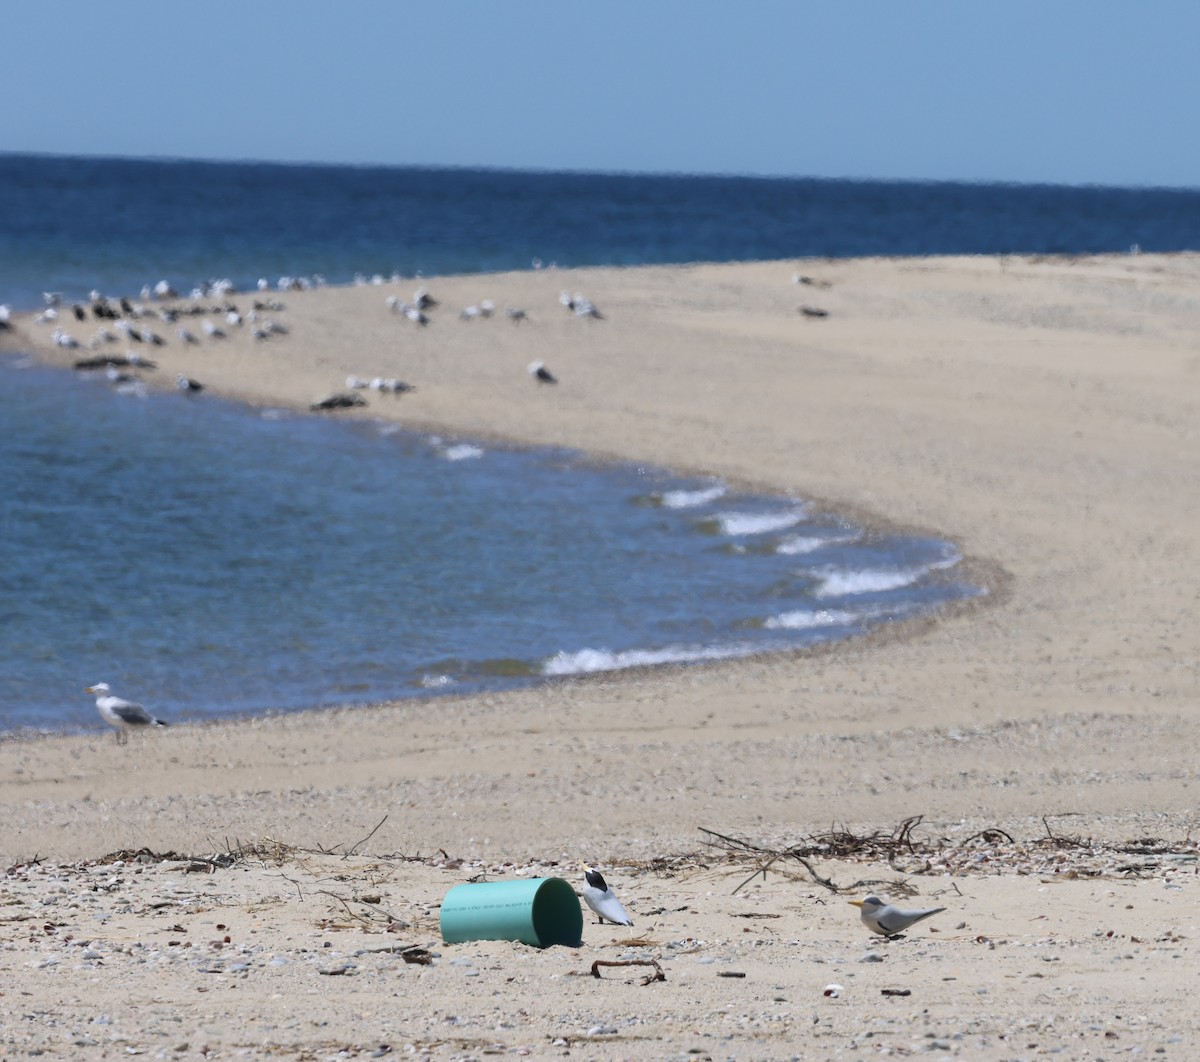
1040,413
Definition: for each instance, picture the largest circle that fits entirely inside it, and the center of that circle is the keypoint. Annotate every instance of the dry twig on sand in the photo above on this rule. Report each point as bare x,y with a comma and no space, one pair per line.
658,974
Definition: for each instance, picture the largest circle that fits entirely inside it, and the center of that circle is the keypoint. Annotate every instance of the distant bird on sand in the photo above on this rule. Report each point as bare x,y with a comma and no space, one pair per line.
389,386
813,311
601,899
579,305
119,713
187,385
341,400
812,282
889,921
538,370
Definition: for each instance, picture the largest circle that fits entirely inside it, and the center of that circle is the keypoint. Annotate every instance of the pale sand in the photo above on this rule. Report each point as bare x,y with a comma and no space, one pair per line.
1040,413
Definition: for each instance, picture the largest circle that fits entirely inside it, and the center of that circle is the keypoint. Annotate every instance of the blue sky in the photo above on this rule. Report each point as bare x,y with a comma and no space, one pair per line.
1071,92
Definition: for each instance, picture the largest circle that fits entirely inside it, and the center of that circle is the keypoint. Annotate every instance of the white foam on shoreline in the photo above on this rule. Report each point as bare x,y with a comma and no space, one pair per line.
843,583
800,544
691,499
462,452
751,523
588,661
812,619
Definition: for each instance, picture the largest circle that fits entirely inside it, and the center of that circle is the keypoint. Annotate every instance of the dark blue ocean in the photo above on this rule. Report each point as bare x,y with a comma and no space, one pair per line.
240,560
74,224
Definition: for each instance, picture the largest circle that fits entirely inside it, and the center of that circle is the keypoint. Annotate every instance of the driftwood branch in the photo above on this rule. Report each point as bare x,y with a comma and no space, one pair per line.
658,974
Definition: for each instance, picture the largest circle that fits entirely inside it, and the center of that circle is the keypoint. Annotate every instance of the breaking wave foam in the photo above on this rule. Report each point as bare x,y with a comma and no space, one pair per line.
799,544
809,619
588,661
751,523
875,580
691,499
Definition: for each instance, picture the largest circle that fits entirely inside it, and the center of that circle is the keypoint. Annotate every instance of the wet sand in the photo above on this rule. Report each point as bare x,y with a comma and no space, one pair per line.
1039,413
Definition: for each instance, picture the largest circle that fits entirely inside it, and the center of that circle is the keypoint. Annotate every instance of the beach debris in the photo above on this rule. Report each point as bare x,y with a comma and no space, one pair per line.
889,921
730,973
538,370
119,713
339,400
602,900
813,311
658,974
1051,857
895,991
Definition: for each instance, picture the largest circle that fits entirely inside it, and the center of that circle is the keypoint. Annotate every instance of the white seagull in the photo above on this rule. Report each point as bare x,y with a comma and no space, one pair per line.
889,921
601,899
119,713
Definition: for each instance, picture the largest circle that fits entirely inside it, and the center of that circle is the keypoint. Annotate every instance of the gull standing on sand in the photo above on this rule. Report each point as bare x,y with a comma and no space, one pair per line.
889,921
601,899
119,713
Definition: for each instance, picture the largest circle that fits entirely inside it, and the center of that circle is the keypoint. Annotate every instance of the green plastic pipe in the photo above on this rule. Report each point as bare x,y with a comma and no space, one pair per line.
536,911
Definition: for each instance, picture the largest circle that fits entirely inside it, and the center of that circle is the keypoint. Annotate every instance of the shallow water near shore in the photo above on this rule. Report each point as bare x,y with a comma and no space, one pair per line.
209,559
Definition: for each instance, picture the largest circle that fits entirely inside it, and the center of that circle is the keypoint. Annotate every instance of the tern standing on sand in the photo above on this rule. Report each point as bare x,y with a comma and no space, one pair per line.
119,713
602,900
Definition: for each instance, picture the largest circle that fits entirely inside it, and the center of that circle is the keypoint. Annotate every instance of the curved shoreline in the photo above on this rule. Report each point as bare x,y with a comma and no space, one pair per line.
1034,412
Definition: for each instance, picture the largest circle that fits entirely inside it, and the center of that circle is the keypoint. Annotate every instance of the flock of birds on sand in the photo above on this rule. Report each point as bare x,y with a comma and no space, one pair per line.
133,323
880,918
142,324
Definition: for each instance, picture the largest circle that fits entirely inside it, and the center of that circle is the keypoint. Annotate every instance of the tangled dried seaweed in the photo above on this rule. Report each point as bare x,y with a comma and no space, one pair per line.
990,851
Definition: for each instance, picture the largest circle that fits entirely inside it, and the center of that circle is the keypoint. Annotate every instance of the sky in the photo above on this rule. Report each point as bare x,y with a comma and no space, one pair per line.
1029,91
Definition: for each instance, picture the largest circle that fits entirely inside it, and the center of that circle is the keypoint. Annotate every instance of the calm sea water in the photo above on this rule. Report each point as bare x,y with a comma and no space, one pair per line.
233,560
72,224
